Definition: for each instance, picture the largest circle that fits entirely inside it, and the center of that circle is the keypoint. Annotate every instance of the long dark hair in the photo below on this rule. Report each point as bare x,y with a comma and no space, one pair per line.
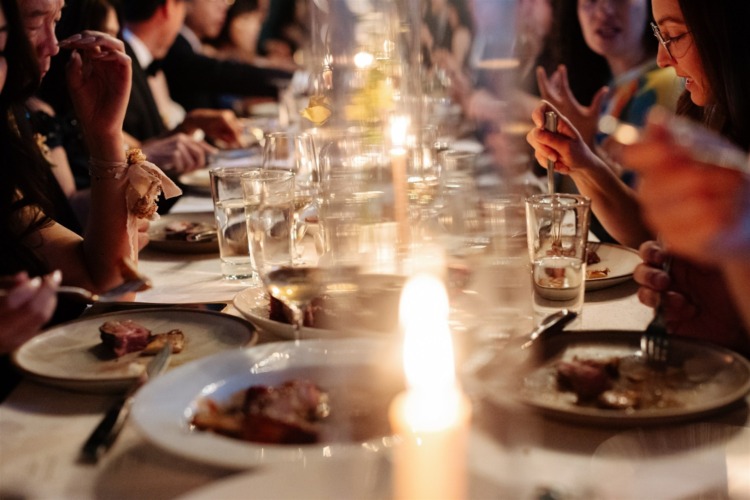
718,32
587,70
24,173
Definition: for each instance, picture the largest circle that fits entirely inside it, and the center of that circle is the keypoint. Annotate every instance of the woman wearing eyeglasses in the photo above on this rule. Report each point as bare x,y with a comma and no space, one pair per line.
707,45
701,211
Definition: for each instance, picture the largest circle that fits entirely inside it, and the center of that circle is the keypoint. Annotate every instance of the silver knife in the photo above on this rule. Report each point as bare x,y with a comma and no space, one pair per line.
105,434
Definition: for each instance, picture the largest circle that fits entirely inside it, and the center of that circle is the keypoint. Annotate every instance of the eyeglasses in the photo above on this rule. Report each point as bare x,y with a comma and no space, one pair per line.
676,51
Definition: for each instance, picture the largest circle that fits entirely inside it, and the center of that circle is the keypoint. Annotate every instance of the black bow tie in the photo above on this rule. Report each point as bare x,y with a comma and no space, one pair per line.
154,67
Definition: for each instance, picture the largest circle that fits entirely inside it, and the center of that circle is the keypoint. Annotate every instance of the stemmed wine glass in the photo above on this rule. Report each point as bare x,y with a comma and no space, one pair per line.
269,196
294,152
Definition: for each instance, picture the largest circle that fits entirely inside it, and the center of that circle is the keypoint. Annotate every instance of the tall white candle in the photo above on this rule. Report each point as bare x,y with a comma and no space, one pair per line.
399,128
432,416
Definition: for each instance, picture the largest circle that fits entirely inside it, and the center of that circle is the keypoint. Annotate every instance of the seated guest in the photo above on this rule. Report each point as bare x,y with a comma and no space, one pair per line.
197,80
34,243
150,29
716,95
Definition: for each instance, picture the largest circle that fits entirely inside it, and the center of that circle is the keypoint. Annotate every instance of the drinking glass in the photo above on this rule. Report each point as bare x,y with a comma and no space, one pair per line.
557,232
294,152
229,209
269,196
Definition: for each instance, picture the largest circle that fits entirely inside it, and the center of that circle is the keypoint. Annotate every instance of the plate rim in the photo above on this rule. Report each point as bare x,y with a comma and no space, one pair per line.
182,246
118,381
601,417
155,433
593,284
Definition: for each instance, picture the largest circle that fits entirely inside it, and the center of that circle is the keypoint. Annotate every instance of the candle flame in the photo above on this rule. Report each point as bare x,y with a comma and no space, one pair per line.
428,352
399,128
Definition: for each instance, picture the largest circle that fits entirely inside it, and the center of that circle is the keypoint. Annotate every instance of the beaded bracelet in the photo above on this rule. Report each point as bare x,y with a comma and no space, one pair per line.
100,169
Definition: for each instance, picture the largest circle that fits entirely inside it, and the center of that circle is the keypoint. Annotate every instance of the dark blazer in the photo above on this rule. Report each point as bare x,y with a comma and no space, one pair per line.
142,118
196,80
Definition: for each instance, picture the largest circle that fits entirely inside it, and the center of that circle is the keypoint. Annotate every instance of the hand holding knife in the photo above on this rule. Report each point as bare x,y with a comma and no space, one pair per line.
105,434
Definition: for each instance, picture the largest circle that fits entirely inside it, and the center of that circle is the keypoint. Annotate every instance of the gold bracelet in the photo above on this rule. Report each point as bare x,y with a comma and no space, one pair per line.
100,169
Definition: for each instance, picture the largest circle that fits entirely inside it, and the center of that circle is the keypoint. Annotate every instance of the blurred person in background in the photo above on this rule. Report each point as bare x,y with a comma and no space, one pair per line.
196,80
285,29
150,28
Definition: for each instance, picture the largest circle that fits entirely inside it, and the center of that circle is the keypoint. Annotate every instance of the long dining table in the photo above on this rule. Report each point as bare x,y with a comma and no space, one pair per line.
512,453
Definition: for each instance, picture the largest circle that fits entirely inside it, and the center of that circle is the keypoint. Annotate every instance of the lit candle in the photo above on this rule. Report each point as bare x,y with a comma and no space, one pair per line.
399,127
432,416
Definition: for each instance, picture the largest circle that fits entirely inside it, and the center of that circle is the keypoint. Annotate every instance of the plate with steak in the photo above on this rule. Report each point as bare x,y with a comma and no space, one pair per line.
193,232
106,353
600,377
275,403
370,309
609,265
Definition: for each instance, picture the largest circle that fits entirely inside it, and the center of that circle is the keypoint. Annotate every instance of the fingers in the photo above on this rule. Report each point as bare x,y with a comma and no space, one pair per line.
29,290
93,41
596,101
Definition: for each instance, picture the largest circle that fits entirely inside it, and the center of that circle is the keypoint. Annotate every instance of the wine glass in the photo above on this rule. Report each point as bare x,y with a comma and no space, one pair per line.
269,196
294,152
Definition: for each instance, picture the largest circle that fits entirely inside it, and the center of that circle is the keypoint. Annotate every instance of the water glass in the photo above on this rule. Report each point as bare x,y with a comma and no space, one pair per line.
229,210
269,206
557,233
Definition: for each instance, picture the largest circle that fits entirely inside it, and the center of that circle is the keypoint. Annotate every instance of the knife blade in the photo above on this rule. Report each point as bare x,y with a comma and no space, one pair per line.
106,433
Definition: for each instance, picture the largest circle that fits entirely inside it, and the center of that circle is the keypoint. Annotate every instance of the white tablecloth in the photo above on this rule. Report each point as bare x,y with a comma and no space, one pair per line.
516,453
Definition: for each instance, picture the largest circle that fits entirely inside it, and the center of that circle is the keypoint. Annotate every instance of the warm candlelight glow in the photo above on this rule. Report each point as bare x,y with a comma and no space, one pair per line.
428,353
432,415
363,60
399,128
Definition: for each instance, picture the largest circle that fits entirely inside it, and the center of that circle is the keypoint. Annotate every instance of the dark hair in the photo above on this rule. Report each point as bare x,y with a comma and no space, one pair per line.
139,10
238,8
717,30
77,16
23,169
587,70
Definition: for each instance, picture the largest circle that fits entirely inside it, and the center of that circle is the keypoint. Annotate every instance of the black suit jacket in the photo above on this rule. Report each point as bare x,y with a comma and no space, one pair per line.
142,118
196,80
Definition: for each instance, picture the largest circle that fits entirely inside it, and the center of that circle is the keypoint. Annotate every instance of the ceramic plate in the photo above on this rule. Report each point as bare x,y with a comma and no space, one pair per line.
620,261
253,304
158,240
197,181
700,379
71,355
363,369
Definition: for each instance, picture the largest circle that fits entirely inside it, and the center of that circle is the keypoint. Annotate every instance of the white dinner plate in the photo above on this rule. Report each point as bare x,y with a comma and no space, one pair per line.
158,241
620,261
362,368
71,355
197,181
716,379
253,304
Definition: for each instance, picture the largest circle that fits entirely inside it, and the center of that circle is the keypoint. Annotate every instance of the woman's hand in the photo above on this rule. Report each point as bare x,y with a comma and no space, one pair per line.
556,90
696,299
565,147
694,207
99,80
26,306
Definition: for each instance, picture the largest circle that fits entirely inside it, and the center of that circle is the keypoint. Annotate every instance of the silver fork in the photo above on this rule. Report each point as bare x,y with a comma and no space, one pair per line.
655,341
131,285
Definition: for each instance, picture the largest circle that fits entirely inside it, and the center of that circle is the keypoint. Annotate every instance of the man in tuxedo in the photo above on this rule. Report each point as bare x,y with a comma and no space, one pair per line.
196,80
149,30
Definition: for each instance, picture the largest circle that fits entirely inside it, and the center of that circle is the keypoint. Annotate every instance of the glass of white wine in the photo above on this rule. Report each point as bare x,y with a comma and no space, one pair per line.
269,196
295,152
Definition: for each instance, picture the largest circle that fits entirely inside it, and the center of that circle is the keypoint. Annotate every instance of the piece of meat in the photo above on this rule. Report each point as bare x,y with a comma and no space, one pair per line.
286,414
123,337
157,341
586,378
